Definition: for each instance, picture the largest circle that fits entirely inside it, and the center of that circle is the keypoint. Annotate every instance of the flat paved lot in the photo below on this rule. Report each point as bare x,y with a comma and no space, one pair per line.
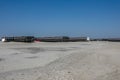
60,61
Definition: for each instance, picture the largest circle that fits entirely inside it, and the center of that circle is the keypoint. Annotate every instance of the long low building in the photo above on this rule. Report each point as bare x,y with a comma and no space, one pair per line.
75,39
53,39
62,39
18,39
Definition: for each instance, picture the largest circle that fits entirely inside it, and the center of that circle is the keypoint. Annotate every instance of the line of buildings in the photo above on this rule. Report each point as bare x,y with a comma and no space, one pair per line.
54,39
44,39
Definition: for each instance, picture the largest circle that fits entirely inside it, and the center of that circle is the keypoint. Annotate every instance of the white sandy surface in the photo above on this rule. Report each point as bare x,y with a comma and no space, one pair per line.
60,61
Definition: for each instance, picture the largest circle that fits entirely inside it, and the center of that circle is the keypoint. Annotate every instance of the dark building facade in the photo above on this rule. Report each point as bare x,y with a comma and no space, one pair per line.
18,39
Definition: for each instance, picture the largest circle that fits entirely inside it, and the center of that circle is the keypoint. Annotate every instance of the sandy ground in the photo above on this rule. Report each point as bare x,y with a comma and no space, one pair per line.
60,61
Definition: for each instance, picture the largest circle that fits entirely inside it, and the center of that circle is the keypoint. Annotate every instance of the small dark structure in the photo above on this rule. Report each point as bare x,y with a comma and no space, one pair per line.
18,39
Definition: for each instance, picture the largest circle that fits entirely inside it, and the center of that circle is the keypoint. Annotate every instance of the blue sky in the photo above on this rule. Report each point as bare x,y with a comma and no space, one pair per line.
94,18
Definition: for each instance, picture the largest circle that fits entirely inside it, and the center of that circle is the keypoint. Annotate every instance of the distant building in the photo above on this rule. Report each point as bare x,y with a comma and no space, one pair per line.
53,39
7,39
18,39
76,39
62,39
